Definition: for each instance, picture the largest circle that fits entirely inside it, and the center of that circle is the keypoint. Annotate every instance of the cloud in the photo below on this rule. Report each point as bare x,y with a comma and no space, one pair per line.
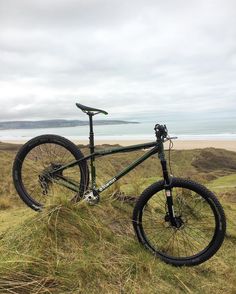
136,59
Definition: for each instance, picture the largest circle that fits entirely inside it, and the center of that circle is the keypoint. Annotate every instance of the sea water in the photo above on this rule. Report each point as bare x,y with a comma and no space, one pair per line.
201,129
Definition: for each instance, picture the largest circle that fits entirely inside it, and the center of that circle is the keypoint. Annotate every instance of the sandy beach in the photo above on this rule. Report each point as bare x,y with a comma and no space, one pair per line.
178,144
193,144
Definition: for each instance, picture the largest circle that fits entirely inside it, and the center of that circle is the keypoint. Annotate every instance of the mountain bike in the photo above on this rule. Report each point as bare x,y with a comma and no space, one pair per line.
178,220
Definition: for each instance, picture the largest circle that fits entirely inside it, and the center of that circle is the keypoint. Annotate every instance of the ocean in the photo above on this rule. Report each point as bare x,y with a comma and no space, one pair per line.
184,130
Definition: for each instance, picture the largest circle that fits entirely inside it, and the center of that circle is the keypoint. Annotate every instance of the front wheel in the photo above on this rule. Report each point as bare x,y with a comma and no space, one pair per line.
201,223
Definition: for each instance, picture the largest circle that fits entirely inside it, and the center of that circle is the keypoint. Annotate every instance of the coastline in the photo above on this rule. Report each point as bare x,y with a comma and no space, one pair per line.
178,144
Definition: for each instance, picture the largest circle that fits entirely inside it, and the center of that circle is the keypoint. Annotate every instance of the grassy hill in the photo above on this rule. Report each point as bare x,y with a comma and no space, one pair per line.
82,249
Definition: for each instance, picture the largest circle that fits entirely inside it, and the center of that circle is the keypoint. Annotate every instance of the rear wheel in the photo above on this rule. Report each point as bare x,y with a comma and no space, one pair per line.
34,163
199,215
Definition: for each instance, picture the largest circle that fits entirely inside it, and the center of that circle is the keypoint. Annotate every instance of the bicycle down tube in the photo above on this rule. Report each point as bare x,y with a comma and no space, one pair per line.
129,168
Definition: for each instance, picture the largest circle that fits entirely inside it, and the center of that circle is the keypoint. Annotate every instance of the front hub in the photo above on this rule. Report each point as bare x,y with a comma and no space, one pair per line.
178,221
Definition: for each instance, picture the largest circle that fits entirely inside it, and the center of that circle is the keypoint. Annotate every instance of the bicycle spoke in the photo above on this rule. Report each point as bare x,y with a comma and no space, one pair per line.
41,159
197,220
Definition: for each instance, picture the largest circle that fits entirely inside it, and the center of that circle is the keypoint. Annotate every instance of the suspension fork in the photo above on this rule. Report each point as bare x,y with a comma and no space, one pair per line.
167,186
168,193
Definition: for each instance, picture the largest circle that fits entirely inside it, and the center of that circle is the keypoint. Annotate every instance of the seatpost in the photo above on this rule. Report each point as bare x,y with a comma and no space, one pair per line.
91,148
91,133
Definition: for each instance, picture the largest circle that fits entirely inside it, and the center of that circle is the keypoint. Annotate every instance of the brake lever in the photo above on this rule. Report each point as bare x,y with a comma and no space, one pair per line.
170,138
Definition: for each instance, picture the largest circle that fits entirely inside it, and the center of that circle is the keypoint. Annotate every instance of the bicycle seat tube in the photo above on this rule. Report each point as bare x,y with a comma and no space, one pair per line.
91,148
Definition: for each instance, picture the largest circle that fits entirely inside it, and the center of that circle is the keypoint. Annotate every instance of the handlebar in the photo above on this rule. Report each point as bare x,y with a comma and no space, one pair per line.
161,131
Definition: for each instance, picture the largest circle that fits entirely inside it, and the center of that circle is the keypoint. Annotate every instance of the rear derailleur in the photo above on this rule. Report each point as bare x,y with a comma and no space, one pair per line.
44,183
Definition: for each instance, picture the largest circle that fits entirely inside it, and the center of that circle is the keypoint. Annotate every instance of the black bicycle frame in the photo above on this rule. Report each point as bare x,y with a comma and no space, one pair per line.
157,148
100,153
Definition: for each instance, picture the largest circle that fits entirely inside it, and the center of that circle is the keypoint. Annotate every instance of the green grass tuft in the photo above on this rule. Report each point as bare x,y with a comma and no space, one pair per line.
79,248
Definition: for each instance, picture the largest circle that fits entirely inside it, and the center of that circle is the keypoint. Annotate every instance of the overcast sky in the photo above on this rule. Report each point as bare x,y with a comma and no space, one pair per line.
135,59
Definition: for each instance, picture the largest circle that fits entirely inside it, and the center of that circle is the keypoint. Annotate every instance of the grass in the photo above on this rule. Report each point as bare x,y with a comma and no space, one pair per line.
223,183
81,249
92,249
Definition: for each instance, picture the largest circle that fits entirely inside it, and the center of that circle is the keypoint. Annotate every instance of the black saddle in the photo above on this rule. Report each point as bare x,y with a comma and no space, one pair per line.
90,110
